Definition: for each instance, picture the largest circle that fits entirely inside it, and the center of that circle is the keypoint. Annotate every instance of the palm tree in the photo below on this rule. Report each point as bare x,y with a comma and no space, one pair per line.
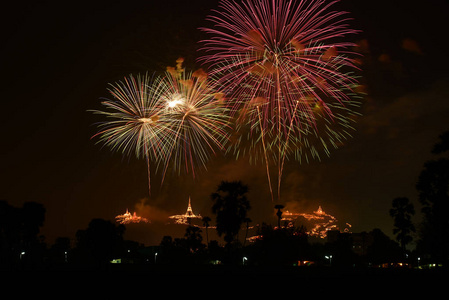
206,221
193,238
279,213
433,187
401,212
230,207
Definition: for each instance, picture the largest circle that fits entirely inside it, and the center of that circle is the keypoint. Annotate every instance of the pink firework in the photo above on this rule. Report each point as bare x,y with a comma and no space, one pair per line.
280,56
286,65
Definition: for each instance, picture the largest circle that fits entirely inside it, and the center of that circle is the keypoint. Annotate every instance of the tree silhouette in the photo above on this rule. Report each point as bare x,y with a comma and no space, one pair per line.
231,207
402,211
279,213
100,242
19,229
443,144
206,224
193,238
33,217
383,249
433,188
59,251
280,246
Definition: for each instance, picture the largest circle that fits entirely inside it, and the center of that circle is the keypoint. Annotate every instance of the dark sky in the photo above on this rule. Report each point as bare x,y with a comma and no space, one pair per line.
57,61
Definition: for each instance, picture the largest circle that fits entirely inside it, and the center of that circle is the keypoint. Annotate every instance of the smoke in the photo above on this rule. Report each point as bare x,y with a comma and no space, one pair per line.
301,206
150,212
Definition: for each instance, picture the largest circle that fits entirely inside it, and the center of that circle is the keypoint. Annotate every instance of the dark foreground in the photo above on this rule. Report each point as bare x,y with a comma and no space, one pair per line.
115,280
218,270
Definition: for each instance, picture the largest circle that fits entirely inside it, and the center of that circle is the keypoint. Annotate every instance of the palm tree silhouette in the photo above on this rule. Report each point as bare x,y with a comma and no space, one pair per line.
402,211
206,221
230,207
279,213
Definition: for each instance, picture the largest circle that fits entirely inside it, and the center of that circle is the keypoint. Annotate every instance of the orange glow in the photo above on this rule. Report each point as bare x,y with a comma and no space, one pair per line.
305,263
187,217
200,74
255,37
299,47
127,218
330,53
146,120
319,220
257,101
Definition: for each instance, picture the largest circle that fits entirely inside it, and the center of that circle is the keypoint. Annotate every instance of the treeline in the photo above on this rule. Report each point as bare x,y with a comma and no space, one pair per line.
103,243
431,235
21,246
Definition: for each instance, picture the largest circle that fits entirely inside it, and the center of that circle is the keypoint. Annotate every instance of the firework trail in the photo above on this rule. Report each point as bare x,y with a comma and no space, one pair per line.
287,69
170,120
134,122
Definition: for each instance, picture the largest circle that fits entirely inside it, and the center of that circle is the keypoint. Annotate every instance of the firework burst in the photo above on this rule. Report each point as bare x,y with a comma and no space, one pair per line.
135,122
289,74
172,120
199,122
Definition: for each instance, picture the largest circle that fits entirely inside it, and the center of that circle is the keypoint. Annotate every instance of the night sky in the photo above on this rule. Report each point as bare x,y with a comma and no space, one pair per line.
57,61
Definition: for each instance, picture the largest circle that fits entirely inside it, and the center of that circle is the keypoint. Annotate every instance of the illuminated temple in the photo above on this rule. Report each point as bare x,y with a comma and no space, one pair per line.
319,221
128,218
187,217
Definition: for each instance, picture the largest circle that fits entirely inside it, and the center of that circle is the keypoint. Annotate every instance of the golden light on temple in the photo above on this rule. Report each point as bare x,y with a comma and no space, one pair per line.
187,217
319,221
128,218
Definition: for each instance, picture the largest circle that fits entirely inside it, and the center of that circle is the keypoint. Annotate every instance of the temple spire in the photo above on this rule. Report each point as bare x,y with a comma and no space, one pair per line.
189,209
187,217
